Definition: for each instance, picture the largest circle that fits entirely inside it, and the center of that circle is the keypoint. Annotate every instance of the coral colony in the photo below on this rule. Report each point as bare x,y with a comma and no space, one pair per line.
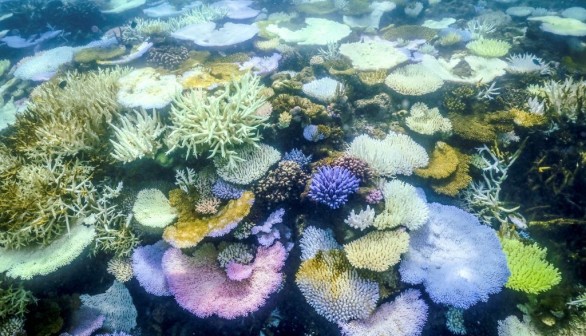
294,167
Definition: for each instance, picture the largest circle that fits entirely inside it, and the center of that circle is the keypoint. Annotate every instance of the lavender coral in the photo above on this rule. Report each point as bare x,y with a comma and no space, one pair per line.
332,186
148,269
459,261
405,316
296,155
226,191
203,288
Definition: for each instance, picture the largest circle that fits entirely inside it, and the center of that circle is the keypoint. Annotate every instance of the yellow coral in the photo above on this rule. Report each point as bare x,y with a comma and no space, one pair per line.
530,272
334,289
459,180
372,77
191,228
378,250
210,75
527,119
284,119
443,162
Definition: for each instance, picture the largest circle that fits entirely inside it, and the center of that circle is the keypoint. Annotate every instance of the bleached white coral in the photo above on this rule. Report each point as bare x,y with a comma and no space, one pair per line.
136,136
403,206
256,160
324,89
413,80
563,98
147,89
527,63
424,120
361,220
152,209
396,154
315,240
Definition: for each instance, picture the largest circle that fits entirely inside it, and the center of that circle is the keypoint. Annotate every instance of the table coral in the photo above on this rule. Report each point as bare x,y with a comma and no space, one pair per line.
191,228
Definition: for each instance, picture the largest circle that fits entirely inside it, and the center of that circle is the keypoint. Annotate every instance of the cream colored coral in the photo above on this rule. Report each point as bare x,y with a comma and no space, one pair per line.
361,220
403,206
428,121
136,136
147,88
121,269
152,209
378,250
413,80
489,47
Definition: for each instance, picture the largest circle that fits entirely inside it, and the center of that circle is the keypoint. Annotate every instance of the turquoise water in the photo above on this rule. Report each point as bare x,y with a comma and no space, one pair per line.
303,167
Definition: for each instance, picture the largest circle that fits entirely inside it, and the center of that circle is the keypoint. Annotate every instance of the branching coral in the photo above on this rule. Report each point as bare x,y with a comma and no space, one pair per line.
136,136
42,200
218,124
68,120
13,301
483,197
284,183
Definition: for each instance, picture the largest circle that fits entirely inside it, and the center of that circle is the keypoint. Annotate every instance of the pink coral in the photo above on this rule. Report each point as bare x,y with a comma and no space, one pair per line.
238,272
202,287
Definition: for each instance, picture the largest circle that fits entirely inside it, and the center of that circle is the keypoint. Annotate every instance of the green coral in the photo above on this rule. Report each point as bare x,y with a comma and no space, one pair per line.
217,124
530,272
14,300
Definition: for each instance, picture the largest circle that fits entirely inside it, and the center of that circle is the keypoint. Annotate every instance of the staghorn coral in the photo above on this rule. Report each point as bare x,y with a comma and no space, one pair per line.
13,301
72,119
362,220
443,162
191,228
530,272
42,200
334,289
136,136
378,250
282,184
207,206
218,124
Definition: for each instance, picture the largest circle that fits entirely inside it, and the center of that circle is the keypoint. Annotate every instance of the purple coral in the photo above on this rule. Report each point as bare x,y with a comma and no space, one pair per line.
458,260
374,196
262,65
311,133
296,155
332,186
147,268
226,191
267,233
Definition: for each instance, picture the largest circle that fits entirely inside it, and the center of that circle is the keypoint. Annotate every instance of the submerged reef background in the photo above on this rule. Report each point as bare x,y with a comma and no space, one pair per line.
299,167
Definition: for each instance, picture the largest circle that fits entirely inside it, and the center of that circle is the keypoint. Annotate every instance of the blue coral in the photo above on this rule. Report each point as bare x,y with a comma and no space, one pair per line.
226,191
332,186
311,133
296,155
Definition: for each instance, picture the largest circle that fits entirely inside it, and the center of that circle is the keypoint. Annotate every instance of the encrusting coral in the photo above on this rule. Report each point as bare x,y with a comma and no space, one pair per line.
191,228
442,163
